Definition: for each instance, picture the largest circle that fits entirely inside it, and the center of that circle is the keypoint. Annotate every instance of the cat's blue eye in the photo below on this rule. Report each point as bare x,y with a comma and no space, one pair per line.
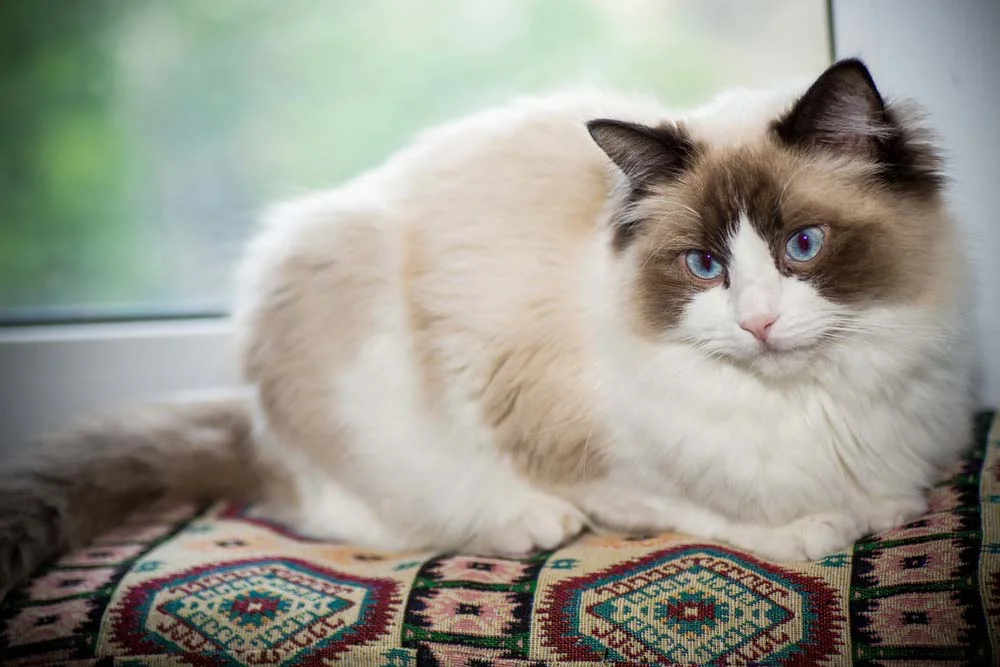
805,244
703,265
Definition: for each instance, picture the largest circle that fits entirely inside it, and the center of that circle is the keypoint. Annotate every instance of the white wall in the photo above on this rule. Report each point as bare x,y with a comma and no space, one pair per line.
946,55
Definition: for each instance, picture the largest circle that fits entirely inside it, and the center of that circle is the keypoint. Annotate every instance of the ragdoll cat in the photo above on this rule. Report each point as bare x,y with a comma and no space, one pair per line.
743,323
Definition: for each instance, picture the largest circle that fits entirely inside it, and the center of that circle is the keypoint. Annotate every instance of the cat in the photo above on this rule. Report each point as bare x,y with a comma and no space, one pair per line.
743,323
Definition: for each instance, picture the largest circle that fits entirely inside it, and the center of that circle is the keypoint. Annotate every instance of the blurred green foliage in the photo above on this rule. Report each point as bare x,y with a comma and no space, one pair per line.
63,165
139,139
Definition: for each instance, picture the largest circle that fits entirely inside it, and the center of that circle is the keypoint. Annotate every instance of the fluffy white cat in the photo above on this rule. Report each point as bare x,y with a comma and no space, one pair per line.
744,323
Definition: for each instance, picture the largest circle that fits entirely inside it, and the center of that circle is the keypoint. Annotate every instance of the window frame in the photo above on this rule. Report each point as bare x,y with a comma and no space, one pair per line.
52,375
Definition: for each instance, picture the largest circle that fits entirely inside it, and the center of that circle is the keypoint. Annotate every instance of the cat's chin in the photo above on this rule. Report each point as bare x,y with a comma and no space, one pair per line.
778,364
769,362
775,364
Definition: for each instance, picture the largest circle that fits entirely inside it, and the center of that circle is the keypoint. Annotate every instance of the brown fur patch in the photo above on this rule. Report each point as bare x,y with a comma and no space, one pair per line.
504,332
308,326
533,422
525,392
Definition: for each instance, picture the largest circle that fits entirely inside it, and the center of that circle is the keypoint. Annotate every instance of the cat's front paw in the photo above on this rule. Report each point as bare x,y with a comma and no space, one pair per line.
542,522
808,538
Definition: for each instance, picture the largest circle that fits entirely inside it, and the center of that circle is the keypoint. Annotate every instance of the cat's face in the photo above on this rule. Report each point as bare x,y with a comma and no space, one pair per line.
766,251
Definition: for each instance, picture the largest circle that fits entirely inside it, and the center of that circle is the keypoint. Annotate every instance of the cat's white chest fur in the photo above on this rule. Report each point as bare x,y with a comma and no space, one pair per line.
726,442
729,442
709,449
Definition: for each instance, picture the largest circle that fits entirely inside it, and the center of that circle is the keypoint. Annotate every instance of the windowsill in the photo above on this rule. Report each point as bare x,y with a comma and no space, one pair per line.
54,375
84,331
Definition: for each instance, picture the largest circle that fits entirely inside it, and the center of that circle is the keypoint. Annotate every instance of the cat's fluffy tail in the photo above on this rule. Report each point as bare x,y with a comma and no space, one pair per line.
66,490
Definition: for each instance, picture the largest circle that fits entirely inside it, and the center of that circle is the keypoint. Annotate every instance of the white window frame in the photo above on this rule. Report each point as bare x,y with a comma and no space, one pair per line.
51,376
937,52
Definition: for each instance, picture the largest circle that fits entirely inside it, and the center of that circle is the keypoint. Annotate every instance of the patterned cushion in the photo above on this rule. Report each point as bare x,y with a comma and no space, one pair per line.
218,588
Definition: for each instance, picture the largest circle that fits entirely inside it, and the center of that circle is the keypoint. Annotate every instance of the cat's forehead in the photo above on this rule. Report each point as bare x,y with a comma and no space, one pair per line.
754,183
734,185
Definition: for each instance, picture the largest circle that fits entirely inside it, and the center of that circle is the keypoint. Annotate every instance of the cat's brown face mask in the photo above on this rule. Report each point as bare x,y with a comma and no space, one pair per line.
764,250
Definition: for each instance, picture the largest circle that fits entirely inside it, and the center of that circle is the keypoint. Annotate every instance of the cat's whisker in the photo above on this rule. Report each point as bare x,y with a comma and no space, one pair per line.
655,252
922,333
685,208
586,454
788,182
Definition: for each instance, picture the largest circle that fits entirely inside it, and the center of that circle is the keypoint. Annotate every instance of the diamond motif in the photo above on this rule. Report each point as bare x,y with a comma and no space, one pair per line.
691,605
255,608
280,608
692,613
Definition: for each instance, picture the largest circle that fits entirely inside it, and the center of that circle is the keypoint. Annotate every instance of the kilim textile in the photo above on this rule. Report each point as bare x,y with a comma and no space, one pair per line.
217,587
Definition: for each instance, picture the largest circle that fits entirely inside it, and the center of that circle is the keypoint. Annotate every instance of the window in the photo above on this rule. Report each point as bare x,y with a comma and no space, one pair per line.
141,139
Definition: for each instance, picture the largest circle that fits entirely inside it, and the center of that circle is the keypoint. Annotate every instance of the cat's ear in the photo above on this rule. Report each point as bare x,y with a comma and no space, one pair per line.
645,154
842,111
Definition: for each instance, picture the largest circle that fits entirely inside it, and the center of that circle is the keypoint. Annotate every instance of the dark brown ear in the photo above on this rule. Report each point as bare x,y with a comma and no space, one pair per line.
841,111
645,154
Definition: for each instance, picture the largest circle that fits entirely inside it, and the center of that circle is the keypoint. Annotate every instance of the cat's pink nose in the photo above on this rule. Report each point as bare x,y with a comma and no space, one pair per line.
759,326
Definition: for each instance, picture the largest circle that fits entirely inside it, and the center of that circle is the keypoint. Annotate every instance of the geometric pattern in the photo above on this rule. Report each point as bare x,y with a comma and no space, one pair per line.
57,616
989,559
692,605
216,586
467,601
916,591
272,610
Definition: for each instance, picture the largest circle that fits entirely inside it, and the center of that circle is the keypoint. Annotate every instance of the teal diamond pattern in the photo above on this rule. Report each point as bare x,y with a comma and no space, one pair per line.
693,617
